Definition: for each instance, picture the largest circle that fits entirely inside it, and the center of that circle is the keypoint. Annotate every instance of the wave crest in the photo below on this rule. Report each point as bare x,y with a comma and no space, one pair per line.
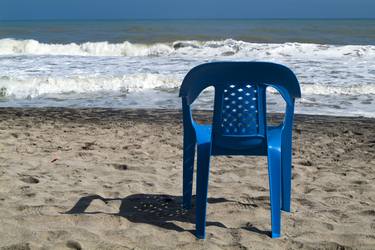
228,47
31,87
33,47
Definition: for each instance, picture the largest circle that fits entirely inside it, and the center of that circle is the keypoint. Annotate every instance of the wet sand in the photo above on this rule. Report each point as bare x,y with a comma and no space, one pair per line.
111,179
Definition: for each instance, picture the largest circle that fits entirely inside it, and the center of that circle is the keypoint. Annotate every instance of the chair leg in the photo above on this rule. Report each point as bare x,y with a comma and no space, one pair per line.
286,158
203,170
188,170
286,166
274,173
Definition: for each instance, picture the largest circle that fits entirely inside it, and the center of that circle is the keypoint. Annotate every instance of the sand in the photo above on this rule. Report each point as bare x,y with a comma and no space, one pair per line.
111,179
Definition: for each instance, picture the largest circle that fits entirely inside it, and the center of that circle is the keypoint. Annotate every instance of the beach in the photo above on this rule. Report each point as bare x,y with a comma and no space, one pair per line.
91,134
97,178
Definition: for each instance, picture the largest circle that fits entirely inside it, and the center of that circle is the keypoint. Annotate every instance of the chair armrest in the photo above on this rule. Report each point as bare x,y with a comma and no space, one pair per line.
187,117
286,126
194,132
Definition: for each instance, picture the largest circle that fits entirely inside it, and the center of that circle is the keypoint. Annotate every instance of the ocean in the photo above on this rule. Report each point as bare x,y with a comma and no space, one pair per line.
141,63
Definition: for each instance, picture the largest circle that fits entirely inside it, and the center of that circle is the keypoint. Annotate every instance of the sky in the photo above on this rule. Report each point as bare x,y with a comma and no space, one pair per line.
171,9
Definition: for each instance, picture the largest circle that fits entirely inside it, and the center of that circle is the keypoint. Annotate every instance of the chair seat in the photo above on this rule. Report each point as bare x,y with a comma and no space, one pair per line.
240,142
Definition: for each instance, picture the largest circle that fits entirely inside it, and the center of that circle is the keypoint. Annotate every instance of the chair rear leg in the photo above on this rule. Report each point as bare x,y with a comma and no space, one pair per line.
274,173
286,158
286,166
203,170
188,170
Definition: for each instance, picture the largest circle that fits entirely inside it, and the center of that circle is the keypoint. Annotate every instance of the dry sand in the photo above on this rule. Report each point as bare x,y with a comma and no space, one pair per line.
111,179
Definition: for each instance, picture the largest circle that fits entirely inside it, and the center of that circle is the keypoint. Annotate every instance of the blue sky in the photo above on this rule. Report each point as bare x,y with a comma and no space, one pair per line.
165,9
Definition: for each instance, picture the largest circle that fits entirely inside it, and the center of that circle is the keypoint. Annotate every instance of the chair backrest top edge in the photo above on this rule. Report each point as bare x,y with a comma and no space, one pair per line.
216,73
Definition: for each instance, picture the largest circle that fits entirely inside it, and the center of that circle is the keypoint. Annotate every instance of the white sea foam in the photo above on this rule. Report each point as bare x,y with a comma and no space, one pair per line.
333,78
32,47
227,47
38,86
348,90
31,87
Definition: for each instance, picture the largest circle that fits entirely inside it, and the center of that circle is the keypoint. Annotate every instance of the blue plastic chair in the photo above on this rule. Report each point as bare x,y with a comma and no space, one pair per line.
239,127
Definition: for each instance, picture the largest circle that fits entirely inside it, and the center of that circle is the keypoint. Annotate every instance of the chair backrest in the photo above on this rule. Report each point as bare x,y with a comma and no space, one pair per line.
240,98
239,120
237,109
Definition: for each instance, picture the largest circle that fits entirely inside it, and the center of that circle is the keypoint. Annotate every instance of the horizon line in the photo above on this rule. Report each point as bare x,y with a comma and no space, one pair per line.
184,19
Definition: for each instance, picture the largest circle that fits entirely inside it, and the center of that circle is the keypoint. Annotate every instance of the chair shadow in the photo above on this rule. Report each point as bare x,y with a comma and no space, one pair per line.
155,209
258,231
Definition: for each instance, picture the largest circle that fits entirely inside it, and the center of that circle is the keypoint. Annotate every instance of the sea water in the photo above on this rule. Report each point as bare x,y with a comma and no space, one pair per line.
141,64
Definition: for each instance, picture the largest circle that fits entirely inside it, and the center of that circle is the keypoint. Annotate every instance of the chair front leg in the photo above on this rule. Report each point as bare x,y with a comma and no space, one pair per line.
286,158
188,170
286,166
274,173
203,170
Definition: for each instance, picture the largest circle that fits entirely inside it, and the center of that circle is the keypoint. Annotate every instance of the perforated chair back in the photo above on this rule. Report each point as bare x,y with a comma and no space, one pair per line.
239,118
239,110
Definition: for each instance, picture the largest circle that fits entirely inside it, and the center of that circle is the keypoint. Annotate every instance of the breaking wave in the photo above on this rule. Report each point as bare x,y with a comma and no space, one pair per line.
33,47
38,86
30,87
227,47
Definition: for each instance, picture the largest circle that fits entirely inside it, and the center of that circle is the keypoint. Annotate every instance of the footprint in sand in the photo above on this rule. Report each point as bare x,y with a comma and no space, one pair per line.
332,245
235,235
308,189
120,166
258,188
247,204
337,200
320,245
107,245
306,163
15,135
30,195
84,155
329,189
31,210
38,210
306,203
58,234
359,182
88,146
26,191
30,180
21,246
260,201
73,244
368,213
329,226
